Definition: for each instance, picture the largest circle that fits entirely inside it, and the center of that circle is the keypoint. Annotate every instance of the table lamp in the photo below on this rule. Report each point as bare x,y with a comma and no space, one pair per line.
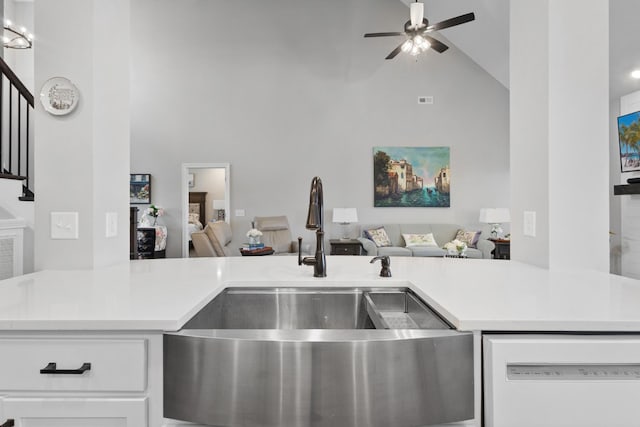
495,217
345,216
219,205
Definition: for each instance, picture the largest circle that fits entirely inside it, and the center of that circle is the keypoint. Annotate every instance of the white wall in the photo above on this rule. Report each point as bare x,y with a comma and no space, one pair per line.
82,159
579,129
560,133
285,90
529,81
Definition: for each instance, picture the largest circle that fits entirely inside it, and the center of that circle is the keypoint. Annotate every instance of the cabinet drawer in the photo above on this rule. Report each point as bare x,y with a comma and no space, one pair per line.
75,412
116,364
345,250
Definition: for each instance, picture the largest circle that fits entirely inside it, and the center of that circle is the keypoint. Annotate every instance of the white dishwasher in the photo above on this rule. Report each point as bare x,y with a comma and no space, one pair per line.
561,380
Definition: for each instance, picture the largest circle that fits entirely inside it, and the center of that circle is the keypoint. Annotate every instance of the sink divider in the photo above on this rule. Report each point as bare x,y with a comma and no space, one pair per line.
374,313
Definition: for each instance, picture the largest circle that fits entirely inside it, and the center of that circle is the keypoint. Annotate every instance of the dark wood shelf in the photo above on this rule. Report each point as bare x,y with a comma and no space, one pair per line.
621,190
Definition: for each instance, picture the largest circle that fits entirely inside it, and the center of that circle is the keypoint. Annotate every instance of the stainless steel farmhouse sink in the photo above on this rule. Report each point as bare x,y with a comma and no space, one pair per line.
336,357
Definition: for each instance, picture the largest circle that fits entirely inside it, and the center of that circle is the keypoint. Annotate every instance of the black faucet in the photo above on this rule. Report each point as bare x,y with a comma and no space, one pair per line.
386,264
315,222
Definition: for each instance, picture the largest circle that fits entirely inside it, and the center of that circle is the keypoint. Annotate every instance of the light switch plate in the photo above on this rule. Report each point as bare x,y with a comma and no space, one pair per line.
111,229
239,212
529,224
64,225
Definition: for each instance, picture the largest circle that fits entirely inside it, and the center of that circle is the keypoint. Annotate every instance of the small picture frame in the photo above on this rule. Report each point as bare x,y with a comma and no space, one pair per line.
191,180
140,189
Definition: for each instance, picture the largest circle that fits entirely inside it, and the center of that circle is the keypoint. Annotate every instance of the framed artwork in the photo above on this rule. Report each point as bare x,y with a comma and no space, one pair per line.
140,189
410,177
629,141
191,180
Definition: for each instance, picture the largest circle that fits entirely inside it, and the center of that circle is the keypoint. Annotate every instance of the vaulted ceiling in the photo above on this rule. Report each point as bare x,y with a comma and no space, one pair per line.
486,40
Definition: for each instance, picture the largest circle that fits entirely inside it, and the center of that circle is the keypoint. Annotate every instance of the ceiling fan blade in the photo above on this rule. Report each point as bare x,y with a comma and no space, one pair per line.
436,45
395,52
451,22
383,34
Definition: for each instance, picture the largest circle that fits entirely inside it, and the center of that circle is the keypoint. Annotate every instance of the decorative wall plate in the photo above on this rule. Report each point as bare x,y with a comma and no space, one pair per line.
59,96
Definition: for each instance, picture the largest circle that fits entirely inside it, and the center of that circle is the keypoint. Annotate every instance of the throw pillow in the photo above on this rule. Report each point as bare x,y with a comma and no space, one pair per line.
413,240
469,237
194,218
378,236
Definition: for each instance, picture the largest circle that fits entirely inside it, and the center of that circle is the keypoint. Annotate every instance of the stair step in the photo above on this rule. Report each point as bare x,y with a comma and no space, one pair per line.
11,176
27,195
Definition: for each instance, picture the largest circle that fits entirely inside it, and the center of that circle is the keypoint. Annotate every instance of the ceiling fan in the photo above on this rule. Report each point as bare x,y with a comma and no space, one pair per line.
417,30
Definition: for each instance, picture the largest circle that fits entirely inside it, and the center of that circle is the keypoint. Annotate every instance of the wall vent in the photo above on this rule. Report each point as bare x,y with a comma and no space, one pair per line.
11,248
6,258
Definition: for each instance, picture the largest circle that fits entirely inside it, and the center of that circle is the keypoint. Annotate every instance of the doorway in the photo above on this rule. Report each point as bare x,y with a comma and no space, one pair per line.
206,192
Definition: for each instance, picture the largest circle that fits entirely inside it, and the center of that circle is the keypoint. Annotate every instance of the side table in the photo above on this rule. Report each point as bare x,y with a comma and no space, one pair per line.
267,250
345,247
503,248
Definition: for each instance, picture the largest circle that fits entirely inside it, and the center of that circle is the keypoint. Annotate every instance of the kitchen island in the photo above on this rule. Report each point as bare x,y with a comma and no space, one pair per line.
117,315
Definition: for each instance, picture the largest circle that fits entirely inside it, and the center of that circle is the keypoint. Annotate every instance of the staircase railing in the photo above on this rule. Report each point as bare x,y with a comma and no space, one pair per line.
16,137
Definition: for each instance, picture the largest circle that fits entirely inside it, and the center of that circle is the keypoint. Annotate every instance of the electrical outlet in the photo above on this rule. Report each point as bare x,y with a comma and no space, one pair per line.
64,225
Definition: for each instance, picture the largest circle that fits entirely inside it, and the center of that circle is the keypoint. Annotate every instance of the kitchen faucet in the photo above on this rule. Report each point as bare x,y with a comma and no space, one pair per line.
315,222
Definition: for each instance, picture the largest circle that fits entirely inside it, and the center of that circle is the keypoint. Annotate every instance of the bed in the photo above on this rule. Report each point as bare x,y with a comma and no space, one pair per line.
197,200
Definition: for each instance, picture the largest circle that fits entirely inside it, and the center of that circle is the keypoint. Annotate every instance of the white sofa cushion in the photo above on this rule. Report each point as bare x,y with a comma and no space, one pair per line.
379,236
412,240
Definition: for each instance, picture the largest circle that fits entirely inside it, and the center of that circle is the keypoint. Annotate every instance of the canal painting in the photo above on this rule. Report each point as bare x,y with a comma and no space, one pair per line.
629,138
411,177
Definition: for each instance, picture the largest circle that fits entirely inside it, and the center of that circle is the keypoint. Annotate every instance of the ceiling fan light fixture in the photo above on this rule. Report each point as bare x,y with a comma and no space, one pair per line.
416,31
422,43
407,46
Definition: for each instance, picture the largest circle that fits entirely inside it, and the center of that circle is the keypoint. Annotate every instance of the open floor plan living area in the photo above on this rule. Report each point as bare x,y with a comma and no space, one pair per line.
341,213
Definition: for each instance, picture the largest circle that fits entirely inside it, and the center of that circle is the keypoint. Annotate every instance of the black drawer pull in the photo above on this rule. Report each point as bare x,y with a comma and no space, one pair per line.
8,423
51,369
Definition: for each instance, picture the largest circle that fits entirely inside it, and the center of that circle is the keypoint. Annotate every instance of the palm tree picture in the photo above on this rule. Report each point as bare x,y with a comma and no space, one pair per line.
629,138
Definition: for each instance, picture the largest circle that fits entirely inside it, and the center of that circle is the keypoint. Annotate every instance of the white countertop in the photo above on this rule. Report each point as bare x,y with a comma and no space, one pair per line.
472,294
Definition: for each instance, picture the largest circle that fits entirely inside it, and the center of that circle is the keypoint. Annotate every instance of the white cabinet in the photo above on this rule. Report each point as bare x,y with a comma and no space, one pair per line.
75,412
80,380
115,364
561,380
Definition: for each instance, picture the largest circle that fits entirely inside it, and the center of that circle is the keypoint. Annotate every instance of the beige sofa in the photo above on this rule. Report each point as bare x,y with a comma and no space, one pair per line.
213,241
442,233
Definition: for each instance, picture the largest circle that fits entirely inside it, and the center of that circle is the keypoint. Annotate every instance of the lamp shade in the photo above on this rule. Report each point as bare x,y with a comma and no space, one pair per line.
219,204
495,215
345,215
